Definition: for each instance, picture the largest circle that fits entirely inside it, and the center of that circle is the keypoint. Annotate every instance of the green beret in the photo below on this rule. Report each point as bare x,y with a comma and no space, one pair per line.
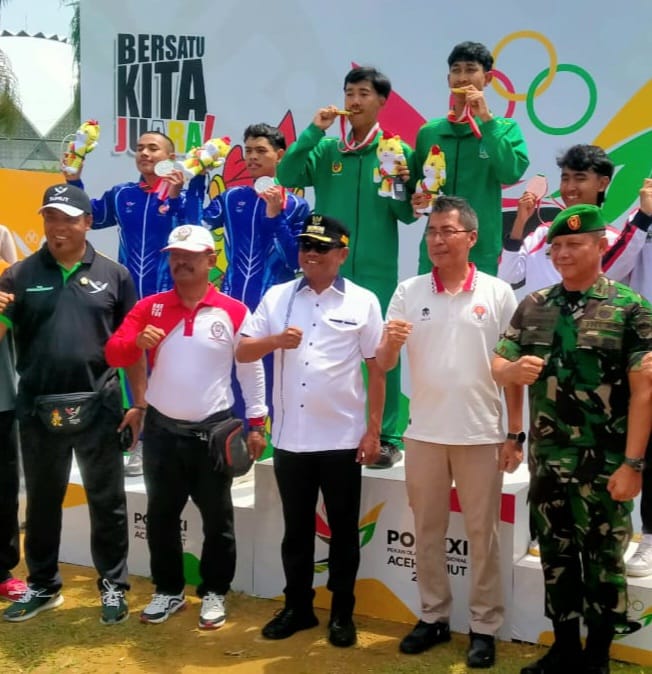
578,219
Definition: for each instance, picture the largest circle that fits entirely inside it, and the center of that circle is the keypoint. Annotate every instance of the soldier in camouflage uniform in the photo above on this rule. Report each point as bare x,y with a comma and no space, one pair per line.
579,346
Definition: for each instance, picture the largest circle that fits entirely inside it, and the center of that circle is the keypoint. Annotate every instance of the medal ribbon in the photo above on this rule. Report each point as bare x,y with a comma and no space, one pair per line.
346,146
161,188
465,118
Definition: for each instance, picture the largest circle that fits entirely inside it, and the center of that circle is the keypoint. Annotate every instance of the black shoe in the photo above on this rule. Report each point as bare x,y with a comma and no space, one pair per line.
287,622
482,650
389,455
557,661
341,632
424,636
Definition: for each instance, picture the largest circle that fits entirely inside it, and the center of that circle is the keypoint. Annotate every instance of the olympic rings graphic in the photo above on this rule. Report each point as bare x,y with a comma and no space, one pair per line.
499,75
552,57
588,113
541,83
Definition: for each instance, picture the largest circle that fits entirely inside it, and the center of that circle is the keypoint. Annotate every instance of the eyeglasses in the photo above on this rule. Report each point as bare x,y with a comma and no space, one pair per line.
318,246
444,233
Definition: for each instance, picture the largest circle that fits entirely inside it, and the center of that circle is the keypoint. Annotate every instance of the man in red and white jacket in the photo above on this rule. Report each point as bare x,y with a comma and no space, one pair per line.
190,334
586,172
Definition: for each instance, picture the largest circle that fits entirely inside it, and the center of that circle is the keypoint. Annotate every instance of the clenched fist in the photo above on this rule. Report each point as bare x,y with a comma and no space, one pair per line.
526,370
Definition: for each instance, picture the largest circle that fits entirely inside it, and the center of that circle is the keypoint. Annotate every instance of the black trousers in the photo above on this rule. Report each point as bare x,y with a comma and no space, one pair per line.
646,492
300,476
47,458
9,542
175,467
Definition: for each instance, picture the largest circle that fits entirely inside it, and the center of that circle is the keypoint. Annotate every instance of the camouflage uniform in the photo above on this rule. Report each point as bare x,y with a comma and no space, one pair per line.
578,421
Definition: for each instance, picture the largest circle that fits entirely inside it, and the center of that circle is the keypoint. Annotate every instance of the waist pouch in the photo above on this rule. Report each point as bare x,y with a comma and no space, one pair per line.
66,413
228,448
225,437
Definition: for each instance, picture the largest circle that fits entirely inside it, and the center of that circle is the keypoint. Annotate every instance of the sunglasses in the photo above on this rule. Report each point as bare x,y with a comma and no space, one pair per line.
318,246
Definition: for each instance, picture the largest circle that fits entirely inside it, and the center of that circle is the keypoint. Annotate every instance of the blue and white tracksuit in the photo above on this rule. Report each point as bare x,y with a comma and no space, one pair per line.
260,251
145,223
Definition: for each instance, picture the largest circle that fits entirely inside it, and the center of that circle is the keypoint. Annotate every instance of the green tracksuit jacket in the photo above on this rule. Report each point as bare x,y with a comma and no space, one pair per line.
476,169
345,189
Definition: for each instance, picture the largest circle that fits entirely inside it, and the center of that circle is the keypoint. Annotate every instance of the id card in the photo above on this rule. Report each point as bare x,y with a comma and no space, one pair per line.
398,190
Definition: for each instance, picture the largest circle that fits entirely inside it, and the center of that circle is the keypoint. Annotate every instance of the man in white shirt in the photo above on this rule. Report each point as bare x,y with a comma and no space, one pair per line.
190,334
320,328
450,320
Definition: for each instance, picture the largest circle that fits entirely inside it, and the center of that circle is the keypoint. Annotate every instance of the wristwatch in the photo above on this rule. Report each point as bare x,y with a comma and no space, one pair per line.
635,464
517,437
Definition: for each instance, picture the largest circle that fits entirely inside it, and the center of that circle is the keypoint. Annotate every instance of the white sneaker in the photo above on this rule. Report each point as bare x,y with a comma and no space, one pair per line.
162,607
212,614
640,563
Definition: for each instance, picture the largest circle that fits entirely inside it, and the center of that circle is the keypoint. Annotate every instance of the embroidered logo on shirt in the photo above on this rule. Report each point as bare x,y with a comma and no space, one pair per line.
97,286
425,314
336,167
163,209
157,309
39,289
482,153
217,331
480,312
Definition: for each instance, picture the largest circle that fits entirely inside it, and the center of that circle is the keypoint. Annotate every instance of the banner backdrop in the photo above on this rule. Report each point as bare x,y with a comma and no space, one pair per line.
202,70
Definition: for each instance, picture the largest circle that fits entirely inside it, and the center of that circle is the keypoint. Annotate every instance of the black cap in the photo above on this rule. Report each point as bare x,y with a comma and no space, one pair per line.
326,229
67,198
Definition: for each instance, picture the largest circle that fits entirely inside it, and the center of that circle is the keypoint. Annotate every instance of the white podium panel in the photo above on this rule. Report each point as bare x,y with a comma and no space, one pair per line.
386,586
531,625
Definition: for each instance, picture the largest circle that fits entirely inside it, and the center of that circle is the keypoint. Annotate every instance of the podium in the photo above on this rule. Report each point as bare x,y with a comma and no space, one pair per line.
386,586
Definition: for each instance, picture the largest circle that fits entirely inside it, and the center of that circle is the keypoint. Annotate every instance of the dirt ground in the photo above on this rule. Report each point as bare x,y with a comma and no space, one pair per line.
70,639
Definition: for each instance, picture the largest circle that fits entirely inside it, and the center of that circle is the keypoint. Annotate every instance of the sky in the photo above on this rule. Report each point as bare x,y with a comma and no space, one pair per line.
45,83
46,16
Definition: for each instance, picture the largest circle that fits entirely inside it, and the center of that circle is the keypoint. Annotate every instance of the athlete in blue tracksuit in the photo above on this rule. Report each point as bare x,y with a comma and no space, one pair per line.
259,229
144,220
260,250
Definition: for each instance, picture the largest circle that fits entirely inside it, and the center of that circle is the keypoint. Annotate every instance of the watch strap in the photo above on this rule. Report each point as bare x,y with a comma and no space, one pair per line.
635,464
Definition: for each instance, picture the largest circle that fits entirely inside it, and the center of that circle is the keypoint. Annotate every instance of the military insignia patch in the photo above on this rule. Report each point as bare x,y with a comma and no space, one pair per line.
336,167
574,222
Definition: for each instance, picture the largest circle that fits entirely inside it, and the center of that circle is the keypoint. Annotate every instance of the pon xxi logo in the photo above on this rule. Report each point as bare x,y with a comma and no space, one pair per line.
366,529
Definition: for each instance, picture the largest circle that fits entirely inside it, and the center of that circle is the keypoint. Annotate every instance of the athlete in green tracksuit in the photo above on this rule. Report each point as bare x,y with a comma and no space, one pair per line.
580,345
482,152
342,173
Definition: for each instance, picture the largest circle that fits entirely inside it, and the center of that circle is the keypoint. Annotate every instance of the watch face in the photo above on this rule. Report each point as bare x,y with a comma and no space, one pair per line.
517,437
